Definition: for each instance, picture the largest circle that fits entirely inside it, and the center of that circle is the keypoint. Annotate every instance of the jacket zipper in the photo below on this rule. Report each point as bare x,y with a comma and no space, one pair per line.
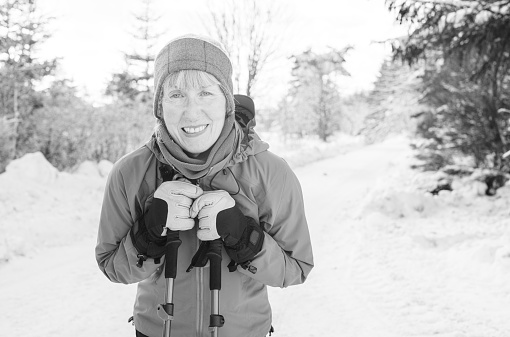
200,297
200,289
201,302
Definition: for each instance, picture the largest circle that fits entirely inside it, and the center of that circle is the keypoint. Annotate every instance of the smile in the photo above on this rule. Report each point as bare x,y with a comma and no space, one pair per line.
194,130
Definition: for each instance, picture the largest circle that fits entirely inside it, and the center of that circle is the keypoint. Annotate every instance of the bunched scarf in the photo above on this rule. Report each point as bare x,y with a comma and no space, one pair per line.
195,168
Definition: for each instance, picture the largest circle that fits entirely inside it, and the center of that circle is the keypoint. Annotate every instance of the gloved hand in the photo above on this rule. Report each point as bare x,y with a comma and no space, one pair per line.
171,208
219,217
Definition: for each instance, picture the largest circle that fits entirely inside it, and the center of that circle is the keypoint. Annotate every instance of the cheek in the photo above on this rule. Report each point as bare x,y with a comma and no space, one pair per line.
170,115
219,110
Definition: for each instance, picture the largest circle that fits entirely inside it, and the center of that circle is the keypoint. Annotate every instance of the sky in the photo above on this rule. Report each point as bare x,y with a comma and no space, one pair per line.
90,36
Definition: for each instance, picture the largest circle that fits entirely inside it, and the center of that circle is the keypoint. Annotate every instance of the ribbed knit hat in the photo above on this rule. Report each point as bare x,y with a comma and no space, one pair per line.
193,52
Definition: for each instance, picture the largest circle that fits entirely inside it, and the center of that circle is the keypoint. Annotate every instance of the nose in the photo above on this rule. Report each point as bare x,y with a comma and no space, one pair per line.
192,108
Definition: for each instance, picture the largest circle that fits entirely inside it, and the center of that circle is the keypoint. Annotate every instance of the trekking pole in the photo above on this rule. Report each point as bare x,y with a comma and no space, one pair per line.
172,245
166,310
214,254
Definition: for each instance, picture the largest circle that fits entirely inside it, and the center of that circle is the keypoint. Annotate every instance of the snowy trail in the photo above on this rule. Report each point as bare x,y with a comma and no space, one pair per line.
329,303
373,275
372,278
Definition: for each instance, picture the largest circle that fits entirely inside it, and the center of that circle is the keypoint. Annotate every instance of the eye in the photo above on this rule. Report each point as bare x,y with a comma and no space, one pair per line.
205,93
174,95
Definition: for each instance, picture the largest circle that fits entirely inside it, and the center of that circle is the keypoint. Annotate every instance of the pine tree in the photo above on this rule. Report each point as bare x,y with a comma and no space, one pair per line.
135,82
393,102
467,45
23,30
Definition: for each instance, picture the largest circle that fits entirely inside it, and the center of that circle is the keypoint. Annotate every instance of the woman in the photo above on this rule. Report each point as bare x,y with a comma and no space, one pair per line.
234,189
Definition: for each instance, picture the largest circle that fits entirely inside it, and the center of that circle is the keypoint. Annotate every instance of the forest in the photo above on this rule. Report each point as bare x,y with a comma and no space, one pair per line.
446,85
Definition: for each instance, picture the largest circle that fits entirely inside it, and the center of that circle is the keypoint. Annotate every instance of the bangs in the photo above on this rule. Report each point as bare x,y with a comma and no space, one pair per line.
191,79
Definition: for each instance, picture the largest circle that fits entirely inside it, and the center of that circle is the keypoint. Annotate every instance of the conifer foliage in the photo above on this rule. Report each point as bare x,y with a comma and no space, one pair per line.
22,31
393,102
135,81
466,45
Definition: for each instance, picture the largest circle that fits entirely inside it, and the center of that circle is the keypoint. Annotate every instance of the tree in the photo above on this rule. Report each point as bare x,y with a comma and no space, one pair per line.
467,44
22,31
135,82
61,127
245,30
312,106
462,119
394,101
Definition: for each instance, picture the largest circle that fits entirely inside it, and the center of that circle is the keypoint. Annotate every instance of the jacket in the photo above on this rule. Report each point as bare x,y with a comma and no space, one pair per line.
264,188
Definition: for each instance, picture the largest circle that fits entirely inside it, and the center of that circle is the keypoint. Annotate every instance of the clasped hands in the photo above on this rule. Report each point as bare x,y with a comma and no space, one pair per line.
178,203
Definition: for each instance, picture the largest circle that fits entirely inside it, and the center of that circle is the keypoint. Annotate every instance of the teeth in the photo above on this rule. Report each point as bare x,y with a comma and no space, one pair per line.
194,130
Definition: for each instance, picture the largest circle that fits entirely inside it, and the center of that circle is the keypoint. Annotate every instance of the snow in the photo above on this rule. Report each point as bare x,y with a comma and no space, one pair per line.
390,259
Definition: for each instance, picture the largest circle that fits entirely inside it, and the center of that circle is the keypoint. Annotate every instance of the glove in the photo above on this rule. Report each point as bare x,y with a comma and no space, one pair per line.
219,217
171,208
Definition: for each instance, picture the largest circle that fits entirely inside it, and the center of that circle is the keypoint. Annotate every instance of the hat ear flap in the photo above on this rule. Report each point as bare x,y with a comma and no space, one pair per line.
159,106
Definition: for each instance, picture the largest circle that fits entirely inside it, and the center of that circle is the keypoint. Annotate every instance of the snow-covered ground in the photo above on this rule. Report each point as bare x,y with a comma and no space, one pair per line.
390,260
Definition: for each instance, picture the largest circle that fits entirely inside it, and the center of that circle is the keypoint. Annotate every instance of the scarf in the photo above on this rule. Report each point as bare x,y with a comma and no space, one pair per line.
195,168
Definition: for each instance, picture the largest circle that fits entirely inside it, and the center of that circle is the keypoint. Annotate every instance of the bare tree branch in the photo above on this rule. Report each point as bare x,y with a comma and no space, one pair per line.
244,28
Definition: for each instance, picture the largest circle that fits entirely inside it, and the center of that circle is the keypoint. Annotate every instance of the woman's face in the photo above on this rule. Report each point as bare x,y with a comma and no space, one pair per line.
194,117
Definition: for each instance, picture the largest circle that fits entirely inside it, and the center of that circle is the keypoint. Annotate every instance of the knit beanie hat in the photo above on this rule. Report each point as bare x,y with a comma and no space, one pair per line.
193,52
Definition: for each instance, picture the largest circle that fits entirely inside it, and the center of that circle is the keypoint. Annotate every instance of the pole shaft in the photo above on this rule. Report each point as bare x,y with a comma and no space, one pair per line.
169,296
215,302
167,329
214,255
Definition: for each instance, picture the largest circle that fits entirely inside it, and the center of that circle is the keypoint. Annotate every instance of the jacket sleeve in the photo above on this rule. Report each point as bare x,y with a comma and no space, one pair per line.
115,252
286,257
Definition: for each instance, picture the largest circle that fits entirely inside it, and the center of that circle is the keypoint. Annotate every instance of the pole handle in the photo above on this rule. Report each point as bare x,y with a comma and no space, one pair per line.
214,255
172,246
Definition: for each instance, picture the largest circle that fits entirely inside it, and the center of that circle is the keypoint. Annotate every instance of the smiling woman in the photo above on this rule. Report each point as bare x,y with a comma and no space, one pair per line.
194,110
163,194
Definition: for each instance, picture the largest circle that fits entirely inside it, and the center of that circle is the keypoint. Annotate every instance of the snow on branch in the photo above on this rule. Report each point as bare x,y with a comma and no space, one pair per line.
455,3
498,7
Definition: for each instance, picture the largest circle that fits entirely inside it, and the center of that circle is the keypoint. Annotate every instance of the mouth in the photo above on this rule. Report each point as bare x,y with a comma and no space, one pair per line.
193,130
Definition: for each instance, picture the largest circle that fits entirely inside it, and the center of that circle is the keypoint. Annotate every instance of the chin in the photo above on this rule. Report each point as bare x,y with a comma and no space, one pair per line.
196,150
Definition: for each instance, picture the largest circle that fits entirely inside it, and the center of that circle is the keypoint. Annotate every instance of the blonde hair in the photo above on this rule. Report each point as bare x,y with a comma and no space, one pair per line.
189,79
192,79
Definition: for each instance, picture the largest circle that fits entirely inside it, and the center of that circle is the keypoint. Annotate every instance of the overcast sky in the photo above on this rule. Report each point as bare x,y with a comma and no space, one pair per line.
91,35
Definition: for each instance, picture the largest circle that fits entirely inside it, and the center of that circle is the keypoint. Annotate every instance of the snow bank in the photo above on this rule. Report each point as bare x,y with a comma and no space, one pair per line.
32,166
92,169
302,151
41,207
466,232
401,204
